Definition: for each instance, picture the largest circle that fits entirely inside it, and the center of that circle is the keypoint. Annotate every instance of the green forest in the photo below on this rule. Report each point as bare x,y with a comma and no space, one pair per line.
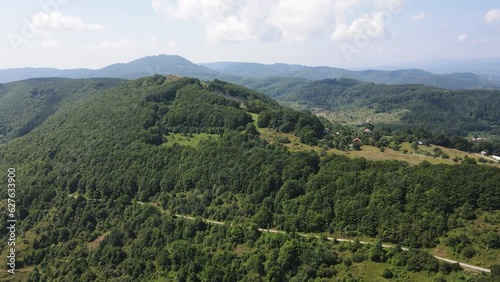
450,112
103,185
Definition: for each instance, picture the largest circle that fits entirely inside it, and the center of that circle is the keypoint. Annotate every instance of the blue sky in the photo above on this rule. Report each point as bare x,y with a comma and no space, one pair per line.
337,33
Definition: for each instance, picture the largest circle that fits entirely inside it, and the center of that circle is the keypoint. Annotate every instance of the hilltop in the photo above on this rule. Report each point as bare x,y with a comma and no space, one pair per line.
101,180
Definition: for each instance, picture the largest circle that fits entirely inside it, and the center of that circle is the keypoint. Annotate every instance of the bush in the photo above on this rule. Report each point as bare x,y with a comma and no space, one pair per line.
358,257
495,271
468,160
490,239
468,252
387,273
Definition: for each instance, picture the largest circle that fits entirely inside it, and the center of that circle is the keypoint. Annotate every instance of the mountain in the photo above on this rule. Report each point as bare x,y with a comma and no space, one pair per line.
455,112
405,76
114,185
26,104
161,64
487,67
236,72
9,75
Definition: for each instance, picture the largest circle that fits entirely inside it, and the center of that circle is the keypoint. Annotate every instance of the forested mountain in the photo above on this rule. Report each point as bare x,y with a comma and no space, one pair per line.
403,76
26,104
161,64
99,184
457,112
234,72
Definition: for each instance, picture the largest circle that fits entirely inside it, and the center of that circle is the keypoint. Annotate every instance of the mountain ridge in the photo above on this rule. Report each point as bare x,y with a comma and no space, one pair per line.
237,71
459,80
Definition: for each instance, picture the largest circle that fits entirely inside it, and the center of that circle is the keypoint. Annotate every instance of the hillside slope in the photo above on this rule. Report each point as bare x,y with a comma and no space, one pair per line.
99,181
26,104
458,112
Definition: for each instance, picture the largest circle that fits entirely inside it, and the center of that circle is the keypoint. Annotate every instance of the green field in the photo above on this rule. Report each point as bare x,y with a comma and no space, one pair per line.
192,140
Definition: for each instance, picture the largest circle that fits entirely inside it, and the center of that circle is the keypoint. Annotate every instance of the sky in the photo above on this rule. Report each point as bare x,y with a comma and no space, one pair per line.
337,33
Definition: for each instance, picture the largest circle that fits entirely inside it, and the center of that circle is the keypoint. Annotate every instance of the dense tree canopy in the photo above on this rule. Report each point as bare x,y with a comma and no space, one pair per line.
100,180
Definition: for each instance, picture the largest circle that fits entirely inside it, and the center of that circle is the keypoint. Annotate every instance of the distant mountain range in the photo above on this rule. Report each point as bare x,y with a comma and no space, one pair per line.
237,72
486,67
403,76
147,66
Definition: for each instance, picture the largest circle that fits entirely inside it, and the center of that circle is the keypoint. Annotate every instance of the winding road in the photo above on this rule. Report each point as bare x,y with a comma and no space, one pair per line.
463,265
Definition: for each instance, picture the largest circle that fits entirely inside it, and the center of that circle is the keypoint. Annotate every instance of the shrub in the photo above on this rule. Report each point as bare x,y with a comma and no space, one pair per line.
387,273
468,252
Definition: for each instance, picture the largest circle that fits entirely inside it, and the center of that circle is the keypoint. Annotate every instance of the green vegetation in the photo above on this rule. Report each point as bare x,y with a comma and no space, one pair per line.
153,140
26,104
458,112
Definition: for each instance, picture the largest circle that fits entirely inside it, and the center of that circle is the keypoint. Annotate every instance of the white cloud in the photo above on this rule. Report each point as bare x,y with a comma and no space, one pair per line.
172,44
420,16
462,37
492,16
240,20
52,44
58,21
369,26
117,45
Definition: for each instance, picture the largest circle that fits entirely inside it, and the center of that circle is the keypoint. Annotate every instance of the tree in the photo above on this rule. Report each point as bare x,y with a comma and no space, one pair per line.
263,218
251,129
377,253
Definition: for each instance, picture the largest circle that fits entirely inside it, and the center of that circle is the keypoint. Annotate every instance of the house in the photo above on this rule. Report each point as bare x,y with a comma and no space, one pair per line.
356,140
496,158
484,153
369,131
420,143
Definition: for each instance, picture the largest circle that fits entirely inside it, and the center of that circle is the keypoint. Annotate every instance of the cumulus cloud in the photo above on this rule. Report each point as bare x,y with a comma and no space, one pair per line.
52,44
492,16
116,45
240,20
420,16
462,37
58,21
369,26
